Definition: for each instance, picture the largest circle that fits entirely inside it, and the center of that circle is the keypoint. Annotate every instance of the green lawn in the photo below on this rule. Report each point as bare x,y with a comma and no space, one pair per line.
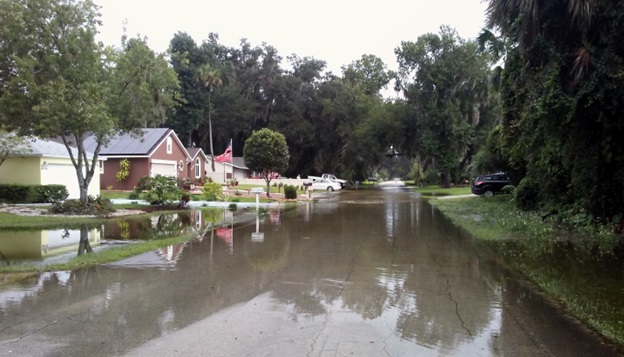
441,191
577,269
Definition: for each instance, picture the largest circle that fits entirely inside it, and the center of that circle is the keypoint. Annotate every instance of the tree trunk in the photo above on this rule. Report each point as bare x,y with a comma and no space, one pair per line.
210,134
268,181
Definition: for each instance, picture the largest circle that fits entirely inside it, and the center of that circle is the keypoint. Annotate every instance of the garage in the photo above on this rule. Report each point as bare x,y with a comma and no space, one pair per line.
163,168
65,173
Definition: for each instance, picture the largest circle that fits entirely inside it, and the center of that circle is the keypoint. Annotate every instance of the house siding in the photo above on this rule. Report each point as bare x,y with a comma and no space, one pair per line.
60,171
139,167
177,153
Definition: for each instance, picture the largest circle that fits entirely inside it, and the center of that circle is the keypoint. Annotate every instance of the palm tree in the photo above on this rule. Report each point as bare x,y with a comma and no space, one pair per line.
524,21
210,78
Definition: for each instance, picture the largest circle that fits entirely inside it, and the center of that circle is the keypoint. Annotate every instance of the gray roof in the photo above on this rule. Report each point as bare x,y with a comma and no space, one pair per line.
126,144
194,151
239,161
48,148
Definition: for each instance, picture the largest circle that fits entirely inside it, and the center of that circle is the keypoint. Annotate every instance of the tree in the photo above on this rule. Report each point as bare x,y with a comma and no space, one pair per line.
562,103
57,82
445,80
11,144
266,151
210,78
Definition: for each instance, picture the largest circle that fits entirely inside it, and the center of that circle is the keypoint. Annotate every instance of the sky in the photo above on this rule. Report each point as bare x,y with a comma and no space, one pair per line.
335,31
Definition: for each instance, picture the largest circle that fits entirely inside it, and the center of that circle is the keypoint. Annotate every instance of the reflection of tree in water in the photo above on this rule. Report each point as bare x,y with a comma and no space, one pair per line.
453,308
84,245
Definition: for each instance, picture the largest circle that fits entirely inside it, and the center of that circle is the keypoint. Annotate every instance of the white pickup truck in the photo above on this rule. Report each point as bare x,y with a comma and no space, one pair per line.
330,177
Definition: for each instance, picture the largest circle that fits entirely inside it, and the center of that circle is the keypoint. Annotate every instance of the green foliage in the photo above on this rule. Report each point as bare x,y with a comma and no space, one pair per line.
212,191
124,170
290,192
233,206
58,81
53,193
266,151
15,193
563,98
12,144
445,81
97,206
161,190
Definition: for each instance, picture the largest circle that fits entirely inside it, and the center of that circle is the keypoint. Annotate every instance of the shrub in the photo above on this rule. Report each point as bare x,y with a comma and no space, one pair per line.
290,192
233,207
526,197
16,193
97,206
212,191
161,190
53,193
124,170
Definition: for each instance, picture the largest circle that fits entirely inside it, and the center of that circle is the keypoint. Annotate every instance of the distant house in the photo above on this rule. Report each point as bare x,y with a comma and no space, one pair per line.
225,171
157,152
47,162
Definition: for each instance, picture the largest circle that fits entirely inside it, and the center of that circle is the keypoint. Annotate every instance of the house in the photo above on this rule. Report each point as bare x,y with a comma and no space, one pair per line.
197,165
45,163
225,171
157,152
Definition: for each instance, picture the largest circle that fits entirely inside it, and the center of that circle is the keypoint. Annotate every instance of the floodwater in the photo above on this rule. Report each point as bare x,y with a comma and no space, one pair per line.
362,273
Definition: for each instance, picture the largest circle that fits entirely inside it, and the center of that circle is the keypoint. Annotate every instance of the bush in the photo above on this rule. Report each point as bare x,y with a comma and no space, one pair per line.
97,206
212,191
233,207
290,192
161,190
15,193
53,193
527,197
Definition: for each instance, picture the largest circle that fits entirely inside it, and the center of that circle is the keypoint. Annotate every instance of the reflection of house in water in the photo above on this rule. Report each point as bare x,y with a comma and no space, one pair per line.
34,245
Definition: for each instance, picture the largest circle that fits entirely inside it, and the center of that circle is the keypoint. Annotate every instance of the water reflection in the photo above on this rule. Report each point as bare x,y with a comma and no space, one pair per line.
328,270
38,246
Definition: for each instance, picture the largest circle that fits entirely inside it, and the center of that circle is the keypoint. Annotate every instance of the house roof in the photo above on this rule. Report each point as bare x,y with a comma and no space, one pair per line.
126,144
193,152
48,148
239,162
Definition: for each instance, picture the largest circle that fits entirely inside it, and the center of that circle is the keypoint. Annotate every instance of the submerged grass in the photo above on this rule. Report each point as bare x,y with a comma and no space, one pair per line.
441,191
101,256
581,271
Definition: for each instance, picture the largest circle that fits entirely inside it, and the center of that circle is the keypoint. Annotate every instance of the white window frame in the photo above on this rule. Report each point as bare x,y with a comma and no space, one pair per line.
101,166
197,168
169,145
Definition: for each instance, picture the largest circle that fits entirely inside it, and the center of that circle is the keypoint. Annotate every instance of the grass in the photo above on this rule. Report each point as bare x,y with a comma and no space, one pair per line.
100,257
11,221
578,270
441,191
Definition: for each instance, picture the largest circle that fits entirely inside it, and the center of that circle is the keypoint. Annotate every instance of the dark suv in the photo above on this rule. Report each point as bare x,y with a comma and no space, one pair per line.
489,184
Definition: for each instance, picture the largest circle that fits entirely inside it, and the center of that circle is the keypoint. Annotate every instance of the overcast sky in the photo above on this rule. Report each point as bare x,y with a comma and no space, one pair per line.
336,31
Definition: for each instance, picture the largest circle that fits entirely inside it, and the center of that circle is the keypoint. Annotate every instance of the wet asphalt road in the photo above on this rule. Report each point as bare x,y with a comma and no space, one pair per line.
361,273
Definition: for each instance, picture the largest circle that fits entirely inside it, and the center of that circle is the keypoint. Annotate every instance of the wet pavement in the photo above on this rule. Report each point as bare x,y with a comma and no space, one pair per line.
362,273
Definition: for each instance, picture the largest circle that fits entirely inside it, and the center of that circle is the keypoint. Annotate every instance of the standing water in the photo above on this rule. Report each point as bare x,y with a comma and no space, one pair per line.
366,273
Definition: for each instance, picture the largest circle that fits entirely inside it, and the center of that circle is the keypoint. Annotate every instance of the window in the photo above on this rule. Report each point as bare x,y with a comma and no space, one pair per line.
181,165
169,145
197,168
101,166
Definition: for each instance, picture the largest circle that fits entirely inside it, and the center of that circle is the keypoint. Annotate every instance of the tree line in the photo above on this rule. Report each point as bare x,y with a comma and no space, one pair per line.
537,95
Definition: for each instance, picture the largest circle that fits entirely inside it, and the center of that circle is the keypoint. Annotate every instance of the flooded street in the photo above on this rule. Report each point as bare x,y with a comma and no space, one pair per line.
362,273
